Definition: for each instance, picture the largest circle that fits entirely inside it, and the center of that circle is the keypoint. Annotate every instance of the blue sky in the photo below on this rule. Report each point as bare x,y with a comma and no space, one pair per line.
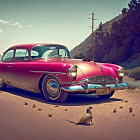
54,21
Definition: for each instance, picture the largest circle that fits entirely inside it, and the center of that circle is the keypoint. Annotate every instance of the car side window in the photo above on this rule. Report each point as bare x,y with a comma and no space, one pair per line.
62,53
50,53
8,56
21,55
34,54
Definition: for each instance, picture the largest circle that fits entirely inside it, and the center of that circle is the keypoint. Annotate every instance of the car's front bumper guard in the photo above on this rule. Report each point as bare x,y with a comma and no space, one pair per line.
92,87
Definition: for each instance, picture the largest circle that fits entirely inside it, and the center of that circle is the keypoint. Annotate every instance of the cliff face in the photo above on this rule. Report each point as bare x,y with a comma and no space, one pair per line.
116,41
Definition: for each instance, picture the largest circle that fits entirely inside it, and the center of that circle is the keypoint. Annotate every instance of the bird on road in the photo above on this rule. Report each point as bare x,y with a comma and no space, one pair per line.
86,119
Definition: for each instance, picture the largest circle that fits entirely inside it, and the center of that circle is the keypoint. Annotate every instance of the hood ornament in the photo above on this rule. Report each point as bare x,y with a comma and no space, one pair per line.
100,68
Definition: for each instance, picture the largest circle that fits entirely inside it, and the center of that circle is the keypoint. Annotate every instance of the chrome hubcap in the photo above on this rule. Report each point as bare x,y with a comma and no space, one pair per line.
53,88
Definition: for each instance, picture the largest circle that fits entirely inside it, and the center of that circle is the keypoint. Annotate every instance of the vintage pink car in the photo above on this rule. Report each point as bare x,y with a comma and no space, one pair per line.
49,69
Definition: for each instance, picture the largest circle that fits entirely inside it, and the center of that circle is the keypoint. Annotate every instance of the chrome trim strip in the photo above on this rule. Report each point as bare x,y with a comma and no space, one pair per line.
98,75
92,87
84,82
48,72
71,68
119,71
98,79
77,83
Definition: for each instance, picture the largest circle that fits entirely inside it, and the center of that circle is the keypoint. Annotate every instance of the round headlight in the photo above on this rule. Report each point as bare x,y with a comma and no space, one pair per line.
73,71
121,72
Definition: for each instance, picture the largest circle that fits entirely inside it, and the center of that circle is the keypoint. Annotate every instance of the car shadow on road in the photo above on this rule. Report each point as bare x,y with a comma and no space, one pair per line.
86,99
72,100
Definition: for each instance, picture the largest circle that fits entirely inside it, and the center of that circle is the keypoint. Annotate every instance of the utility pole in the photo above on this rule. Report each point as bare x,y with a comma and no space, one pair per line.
92,34
93,47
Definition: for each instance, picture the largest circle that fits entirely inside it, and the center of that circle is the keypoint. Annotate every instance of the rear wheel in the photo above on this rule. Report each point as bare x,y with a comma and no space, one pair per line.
2,84
106,96
52,90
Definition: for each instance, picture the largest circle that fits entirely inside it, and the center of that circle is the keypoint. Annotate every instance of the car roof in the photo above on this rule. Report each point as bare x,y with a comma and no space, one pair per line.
29,46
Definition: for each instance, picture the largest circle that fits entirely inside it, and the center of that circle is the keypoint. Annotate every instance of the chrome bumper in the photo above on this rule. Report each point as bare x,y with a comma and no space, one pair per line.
92,87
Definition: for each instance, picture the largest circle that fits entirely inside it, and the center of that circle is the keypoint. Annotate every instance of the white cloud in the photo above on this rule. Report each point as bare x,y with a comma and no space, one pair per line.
20,26
1,31
29,26
16,24
3,21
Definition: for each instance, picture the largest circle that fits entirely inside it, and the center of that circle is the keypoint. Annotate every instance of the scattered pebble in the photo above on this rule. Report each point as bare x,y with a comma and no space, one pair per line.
130,109
121,107
49,115
39,109
56,106
66,109
34,106
115,110
25,103
125,101
133,114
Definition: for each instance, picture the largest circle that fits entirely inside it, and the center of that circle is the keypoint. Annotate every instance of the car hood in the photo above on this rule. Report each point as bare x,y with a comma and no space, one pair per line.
85,68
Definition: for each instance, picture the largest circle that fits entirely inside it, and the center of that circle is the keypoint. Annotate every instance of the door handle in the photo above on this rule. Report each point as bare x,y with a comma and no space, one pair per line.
9,65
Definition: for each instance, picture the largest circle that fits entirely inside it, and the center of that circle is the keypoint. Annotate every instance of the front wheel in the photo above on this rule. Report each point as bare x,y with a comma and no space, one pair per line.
106,96
2,84
52,90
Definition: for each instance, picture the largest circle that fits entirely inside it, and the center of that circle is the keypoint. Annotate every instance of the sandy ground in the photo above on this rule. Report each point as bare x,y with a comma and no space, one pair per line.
23,122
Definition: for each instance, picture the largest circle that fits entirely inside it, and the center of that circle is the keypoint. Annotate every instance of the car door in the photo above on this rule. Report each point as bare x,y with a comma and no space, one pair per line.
20,68
17,68
6,65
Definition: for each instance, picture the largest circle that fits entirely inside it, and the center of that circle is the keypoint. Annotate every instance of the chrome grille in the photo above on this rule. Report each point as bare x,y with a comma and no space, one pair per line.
101,80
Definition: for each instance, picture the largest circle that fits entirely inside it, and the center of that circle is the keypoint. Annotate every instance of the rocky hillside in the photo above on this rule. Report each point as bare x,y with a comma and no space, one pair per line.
116,41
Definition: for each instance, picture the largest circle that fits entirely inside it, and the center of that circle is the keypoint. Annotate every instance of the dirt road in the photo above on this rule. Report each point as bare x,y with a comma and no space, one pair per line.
26,122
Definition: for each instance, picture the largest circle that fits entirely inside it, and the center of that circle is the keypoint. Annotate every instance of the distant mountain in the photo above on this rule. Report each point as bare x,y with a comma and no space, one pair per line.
116,41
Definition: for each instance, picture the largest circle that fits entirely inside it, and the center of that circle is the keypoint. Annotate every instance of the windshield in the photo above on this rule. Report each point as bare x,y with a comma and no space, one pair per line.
49,51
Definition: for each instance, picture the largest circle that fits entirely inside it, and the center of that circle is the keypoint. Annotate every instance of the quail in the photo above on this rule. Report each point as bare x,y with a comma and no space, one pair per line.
85,119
